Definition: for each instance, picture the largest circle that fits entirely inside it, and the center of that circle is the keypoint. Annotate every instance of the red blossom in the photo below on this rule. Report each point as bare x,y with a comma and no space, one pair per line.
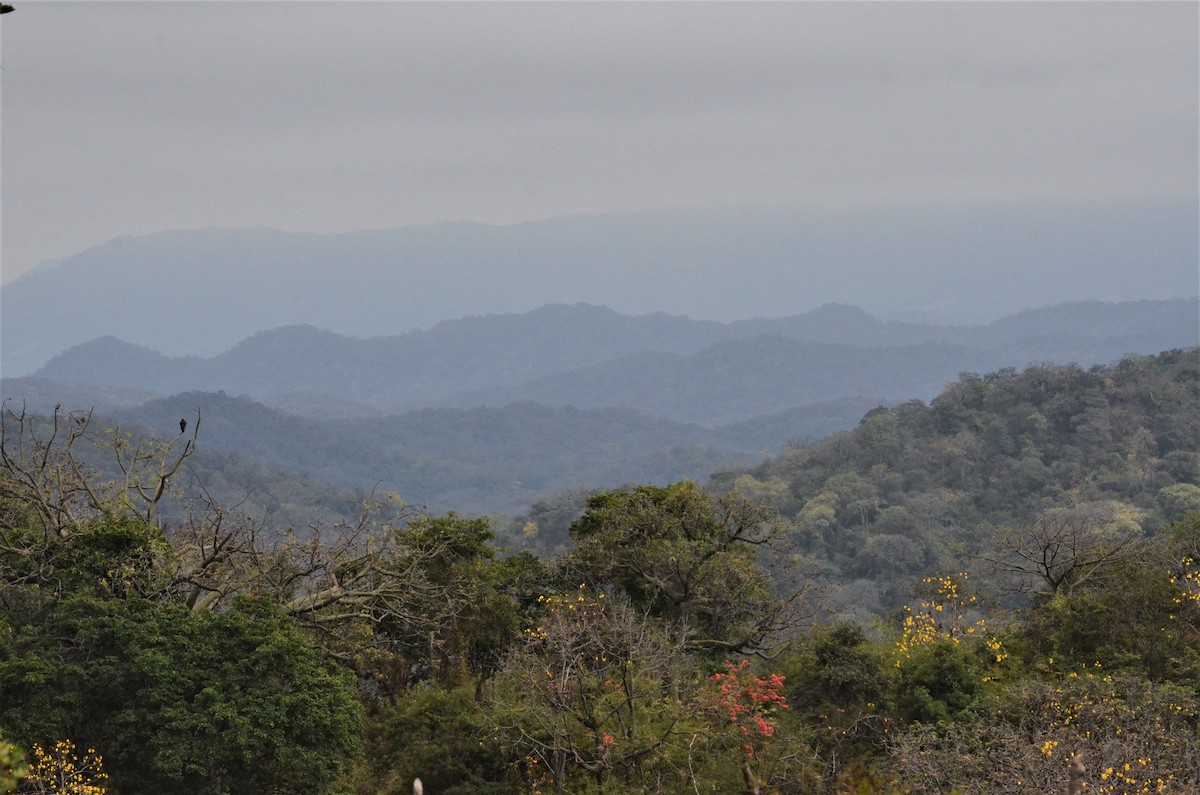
746,698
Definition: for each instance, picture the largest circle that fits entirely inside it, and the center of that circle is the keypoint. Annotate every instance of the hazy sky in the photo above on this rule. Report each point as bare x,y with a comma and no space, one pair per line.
129,118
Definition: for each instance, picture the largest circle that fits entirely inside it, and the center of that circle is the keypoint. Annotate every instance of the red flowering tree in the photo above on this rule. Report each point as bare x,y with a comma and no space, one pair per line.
743,701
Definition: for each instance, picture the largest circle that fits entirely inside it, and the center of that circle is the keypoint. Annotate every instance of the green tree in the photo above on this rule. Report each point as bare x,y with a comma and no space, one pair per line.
181,701
12,766
686,559
456,624
442,736
839,685
937,682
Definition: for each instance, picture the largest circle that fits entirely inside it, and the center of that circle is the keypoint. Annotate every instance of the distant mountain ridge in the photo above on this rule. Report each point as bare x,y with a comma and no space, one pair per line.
483,460
488,414
198,292
742,378
589,356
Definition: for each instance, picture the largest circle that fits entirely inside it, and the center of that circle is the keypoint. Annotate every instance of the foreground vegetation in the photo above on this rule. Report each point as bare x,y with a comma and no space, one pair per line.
981,595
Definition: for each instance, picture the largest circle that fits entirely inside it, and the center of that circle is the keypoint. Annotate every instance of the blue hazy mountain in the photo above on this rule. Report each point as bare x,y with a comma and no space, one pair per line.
200,292
668,366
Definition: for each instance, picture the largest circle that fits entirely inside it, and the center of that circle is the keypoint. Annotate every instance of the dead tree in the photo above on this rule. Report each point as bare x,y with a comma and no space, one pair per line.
1062,549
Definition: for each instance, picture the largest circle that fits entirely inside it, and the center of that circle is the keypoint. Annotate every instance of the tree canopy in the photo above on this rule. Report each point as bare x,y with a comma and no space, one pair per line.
997,592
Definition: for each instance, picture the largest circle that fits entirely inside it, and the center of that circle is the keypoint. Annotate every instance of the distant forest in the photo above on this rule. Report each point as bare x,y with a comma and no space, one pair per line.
995,591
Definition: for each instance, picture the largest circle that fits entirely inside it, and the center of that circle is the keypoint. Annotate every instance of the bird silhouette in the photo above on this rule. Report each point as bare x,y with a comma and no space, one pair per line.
182,426
5,9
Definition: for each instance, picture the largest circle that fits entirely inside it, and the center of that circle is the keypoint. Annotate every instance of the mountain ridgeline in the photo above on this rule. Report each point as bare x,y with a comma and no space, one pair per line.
486,415
199,292
593,357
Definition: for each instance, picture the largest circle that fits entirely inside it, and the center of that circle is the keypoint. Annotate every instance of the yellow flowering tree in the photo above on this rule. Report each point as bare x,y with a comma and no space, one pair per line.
1132,736
1187,582
944,653
61,770
1185,573
948,614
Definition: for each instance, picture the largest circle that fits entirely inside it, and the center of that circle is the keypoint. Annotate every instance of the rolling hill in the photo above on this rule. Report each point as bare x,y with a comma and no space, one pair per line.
477,461
588,356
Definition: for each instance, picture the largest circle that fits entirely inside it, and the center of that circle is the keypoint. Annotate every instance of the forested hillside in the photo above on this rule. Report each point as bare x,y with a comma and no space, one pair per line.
928,486
1020,561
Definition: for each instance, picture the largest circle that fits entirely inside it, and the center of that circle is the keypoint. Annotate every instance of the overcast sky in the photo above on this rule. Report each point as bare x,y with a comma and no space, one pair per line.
129,118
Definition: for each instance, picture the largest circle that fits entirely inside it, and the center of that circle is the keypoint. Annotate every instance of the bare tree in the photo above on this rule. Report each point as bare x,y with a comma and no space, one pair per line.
369,571
44,478
1065,548
594,689
43,484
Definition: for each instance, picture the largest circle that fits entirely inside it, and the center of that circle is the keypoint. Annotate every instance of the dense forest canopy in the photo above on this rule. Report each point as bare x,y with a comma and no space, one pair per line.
994,592
919,487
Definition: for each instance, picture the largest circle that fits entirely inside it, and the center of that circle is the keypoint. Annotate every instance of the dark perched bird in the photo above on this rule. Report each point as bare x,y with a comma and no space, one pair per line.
5,9
182,426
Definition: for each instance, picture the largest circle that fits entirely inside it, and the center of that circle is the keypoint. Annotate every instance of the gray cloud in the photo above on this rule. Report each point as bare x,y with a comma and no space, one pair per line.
123,118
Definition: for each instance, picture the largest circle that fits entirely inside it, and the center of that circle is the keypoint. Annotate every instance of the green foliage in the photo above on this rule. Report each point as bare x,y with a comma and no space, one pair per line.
937,682
179,701
916,487
121,557
118,557
462,613
840,669
1180,500
12,766
456,545
627,664
684,558
1135,626
439,735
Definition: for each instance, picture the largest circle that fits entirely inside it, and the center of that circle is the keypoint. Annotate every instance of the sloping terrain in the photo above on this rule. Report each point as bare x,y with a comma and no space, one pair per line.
477,461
